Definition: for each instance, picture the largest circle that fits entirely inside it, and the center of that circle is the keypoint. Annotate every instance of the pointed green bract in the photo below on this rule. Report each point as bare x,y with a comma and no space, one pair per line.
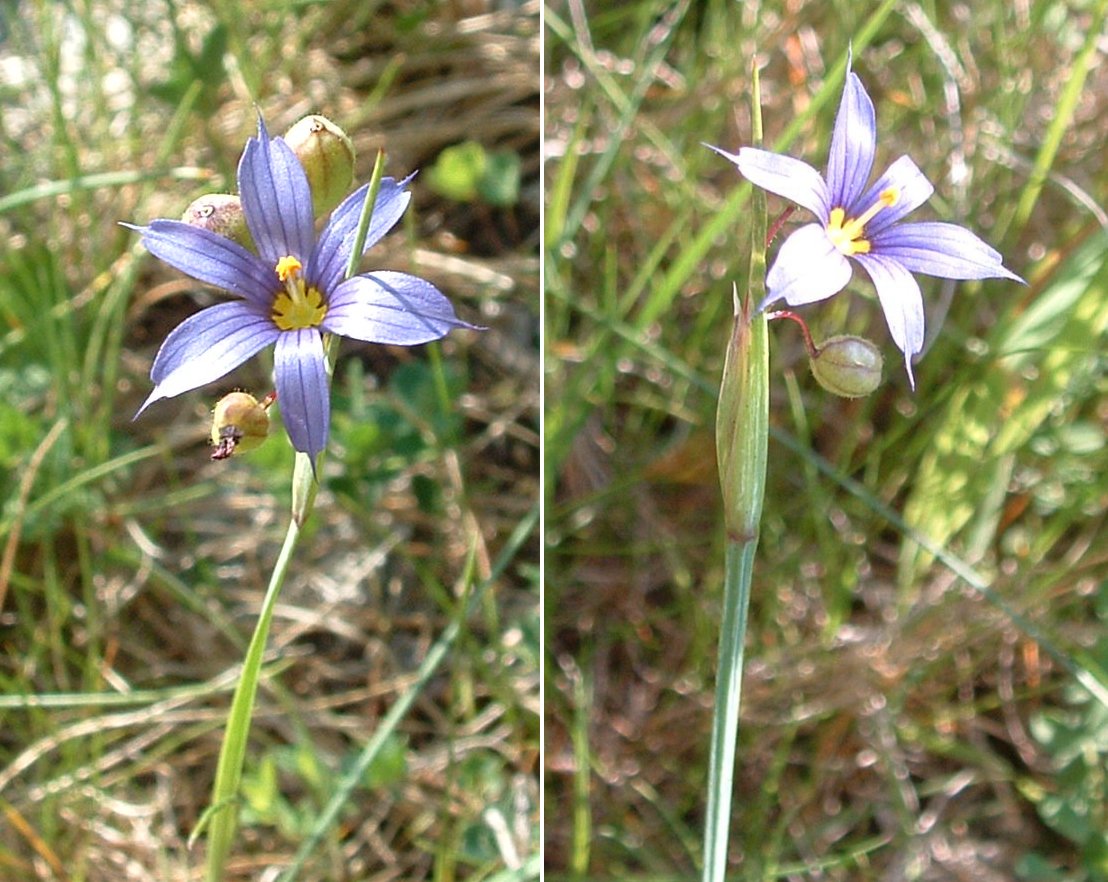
742,419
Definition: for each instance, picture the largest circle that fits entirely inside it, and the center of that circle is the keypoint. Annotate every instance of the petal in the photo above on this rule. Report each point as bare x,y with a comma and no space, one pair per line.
209,258
853,143
901,302
206,346
388,307
940,249
808,268
913,189
328,262
276,198
795,180
302,391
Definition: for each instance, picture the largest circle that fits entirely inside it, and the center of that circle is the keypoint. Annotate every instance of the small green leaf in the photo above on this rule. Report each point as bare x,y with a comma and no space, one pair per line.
467,172
457,172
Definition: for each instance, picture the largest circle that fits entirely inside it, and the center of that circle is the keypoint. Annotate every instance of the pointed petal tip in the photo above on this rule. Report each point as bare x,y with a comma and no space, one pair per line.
996,270
731,157
462,325
150,399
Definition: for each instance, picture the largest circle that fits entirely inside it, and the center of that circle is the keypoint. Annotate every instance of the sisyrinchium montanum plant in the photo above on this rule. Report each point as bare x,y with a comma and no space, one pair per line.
855,222
297,292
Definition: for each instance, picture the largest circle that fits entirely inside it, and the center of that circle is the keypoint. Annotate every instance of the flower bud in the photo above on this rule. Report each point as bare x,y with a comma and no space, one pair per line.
327,155
219,213
239,422
847,366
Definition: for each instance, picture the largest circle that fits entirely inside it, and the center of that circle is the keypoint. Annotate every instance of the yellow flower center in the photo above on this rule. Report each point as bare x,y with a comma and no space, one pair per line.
847,234
298,306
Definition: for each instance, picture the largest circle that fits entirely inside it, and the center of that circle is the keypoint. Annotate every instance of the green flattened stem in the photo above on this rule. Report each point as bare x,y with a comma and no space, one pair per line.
742,437
221,817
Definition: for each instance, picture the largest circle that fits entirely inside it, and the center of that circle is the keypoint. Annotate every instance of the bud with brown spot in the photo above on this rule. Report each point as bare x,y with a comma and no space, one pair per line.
219,213
327,155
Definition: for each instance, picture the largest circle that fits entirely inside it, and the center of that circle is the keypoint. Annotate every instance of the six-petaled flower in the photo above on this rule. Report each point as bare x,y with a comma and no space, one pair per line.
291,292
861,223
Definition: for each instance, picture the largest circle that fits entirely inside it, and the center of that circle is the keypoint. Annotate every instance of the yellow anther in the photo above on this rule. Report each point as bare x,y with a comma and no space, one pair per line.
847,235
288,266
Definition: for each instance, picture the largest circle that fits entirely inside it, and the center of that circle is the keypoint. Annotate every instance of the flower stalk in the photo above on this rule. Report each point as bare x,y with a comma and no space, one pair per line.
742,438
223,815
232,756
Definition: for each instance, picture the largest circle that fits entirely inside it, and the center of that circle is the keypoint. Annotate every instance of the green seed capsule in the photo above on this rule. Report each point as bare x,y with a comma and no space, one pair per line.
219,213
327,155
847,366
239,422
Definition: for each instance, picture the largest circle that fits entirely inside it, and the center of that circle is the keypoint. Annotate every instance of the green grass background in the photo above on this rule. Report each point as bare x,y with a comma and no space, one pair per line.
927,666
131,567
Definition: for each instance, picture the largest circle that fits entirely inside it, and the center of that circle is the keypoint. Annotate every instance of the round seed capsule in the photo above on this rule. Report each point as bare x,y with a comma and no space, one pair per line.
847,366
219,213
327,155
239,422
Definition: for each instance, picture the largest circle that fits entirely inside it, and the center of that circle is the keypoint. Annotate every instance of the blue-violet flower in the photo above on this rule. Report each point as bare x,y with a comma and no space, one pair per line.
860,223
291,293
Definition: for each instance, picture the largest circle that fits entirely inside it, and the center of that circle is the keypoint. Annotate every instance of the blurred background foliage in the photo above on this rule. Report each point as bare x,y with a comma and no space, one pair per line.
926,677
132,567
